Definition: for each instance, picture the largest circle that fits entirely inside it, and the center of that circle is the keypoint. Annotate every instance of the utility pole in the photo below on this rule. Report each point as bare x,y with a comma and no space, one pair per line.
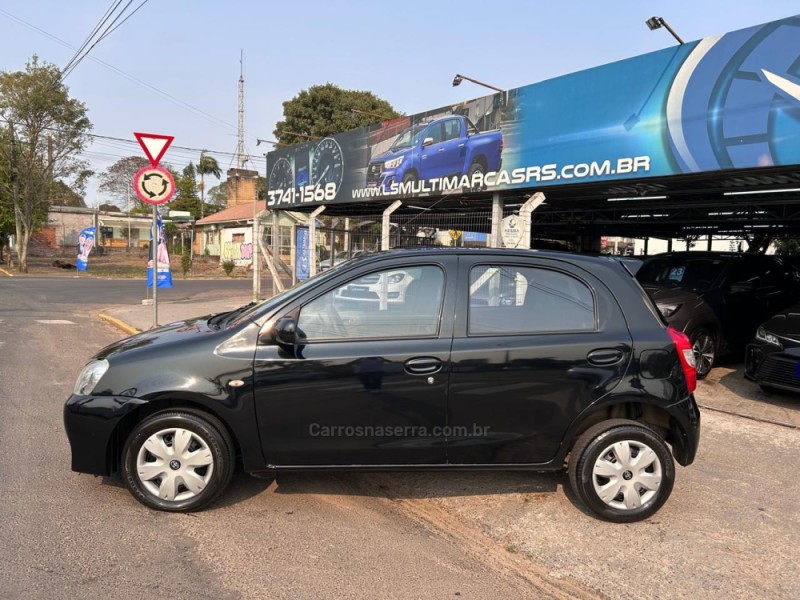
15,195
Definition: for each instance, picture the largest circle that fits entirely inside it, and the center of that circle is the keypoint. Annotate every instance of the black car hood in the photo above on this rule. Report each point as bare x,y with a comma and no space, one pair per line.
147,341
785,323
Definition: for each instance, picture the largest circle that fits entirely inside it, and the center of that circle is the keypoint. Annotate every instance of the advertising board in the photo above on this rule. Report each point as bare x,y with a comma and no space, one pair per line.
725,102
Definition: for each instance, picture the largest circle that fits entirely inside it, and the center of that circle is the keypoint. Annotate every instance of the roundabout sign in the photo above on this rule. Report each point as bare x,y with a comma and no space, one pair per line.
154,185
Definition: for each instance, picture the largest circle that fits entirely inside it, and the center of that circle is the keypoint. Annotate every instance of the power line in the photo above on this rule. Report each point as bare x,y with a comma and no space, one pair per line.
122,73
97,27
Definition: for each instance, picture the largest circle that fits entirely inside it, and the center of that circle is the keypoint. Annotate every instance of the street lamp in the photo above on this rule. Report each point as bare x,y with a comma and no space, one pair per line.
657,23
259,141
459,78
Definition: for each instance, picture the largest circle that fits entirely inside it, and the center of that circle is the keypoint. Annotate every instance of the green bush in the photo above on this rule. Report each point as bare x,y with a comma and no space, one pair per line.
228,267
186,263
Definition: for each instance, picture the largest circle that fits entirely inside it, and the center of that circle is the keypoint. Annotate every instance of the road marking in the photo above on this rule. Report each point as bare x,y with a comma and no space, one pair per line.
54,322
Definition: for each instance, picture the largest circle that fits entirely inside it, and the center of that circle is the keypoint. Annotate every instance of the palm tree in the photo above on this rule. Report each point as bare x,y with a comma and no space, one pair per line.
206,166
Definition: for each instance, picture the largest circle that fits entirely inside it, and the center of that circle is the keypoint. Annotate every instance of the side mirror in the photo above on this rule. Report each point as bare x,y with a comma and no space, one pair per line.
284,332
427,141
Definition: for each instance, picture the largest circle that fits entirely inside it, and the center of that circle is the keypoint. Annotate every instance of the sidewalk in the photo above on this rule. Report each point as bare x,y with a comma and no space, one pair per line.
725,390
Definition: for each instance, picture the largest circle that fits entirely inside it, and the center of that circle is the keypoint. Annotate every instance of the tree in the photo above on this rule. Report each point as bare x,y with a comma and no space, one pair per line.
117,181
206,166
186,191
323,110
109,208
46,132
64,195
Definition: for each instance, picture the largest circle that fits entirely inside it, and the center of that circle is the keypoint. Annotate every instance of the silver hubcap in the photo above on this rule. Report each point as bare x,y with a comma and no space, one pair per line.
703,349
627,474
174,464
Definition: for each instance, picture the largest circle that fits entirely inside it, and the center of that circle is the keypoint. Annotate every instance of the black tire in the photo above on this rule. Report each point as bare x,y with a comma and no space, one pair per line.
476,167
704,346
594,450
206,443
411,176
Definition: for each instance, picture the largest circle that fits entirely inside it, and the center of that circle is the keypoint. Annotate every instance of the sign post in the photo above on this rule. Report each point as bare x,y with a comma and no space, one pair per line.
154,185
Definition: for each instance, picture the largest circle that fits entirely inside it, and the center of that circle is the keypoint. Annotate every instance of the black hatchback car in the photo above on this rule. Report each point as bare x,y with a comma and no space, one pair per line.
718,299
435,358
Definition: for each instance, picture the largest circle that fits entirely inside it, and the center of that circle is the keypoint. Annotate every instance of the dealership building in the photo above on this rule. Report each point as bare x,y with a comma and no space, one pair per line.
699,142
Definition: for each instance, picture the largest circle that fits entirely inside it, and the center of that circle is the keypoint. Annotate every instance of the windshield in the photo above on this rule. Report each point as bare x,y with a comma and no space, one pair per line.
410,136
687,272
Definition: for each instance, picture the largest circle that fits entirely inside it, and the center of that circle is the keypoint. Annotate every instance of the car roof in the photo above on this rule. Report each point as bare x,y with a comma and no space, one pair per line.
585,259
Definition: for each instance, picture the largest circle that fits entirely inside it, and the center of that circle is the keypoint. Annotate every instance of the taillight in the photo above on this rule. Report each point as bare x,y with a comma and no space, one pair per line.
686,354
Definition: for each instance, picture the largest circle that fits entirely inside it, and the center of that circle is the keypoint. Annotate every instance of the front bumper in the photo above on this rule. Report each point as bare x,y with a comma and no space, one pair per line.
767,364
91,424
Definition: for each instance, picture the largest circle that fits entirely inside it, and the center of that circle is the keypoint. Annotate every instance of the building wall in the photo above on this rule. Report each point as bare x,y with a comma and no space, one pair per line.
67,223
241,186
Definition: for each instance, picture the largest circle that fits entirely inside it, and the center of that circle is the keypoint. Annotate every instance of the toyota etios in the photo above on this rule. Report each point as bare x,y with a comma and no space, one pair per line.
481,359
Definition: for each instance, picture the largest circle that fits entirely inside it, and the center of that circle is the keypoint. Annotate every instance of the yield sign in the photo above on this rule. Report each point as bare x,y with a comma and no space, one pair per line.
154,145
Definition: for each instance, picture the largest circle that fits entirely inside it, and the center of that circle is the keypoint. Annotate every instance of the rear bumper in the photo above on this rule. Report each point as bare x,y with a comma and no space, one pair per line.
684,425
91,423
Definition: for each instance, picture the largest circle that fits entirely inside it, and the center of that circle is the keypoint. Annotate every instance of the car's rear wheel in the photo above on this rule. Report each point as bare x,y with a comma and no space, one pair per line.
177,461
704,346
621,470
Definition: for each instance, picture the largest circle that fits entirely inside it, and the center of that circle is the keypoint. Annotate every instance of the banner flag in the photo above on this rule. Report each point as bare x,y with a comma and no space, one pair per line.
162,258
85,245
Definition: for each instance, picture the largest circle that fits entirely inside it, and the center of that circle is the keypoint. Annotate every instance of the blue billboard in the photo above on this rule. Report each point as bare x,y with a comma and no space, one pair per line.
730,101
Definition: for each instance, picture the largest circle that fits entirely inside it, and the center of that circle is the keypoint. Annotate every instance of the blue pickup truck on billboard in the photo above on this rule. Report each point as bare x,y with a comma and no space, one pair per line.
446,147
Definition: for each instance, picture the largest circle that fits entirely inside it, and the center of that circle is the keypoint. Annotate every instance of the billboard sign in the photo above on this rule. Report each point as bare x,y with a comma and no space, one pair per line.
726,102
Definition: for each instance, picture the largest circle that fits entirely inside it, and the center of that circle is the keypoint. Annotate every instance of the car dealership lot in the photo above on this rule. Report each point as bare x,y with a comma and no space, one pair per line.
728,529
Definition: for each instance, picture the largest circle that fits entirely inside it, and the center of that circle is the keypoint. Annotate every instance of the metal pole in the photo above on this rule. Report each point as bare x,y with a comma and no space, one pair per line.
526,216
312,240
154,252
276,249
497,220
256,262
385,225
294,254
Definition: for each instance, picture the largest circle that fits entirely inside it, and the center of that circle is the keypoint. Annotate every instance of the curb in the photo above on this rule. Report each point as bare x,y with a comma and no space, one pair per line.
121,325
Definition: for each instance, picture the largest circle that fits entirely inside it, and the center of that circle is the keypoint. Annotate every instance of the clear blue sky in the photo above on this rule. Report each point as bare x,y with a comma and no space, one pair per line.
405,52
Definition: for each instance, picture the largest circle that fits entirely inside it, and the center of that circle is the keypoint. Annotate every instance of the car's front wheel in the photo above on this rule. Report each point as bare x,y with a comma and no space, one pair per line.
177,461
621,470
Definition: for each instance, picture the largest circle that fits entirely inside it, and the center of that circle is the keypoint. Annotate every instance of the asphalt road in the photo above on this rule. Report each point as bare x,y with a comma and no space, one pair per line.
729,529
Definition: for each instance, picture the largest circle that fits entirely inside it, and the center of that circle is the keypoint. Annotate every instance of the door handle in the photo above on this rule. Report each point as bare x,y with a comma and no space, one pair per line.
441,150
605,356
423,366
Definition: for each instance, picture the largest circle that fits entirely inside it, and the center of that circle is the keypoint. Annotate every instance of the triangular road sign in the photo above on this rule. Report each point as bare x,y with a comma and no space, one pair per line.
154,145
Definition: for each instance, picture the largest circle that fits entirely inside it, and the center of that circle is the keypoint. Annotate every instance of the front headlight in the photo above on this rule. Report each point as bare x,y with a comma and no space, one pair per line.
765,336
668,309
89,377
396,277
394,163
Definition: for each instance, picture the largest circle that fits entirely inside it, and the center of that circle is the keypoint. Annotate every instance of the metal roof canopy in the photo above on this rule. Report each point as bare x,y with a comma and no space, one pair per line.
733,203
